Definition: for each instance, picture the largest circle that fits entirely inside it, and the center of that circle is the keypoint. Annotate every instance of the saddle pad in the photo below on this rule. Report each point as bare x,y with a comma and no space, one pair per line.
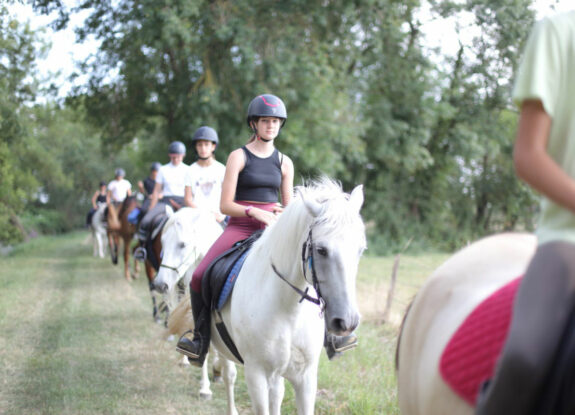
470,356
231,280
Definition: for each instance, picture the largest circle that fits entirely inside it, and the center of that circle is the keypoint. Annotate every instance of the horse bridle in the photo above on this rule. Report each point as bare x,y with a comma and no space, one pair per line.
177,268
307,259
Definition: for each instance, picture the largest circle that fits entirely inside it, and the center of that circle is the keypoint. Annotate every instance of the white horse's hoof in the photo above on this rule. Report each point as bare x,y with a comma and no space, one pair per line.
206,396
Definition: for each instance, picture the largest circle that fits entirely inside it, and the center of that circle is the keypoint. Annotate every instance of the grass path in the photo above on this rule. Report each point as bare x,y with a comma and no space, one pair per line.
78,339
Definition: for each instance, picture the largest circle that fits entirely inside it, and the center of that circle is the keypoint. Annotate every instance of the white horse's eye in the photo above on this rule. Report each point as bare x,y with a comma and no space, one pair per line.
322,251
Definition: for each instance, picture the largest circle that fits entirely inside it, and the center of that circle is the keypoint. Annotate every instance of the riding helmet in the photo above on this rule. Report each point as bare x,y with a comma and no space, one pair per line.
266,105
205,133
177,147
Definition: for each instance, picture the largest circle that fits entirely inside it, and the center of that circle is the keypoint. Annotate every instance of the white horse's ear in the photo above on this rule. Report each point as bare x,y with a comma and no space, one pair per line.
312,206
356,197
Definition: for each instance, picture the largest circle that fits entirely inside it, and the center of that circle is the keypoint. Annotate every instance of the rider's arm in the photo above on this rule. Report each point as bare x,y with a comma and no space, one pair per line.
141,187
286,189
533,163
155,195
189,197
234,165
94,205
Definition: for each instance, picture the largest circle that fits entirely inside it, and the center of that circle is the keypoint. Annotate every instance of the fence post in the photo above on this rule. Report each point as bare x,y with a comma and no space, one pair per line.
391,291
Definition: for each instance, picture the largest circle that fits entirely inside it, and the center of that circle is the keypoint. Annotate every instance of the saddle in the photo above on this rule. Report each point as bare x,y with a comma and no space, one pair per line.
470,357
218,282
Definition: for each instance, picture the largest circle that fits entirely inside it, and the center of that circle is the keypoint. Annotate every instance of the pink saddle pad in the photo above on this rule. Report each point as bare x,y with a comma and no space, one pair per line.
470,356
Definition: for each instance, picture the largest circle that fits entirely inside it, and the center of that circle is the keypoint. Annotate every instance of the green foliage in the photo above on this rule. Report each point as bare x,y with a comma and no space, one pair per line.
430,139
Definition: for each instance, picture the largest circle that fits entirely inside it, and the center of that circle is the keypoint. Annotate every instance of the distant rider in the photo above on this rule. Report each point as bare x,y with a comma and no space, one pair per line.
170,182
206,175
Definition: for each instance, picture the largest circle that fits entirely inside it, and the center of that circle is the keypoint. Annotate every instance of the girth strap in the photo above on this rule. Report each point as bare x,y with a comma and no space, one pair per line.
225,335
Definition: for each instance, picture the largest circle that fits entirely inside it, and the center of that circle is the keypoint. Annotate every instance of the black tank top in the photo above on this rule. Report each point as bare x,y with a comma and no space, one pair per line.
260,179
101,198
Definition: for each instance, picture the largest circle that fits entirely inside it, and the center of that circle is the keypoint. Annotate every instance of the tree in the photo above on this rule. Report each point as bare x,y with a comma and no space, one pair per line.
17,86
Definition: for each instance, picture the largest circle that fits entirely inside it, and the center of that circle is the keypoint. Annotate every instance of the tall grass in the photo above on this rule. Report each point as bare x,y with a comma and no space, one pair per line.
78,339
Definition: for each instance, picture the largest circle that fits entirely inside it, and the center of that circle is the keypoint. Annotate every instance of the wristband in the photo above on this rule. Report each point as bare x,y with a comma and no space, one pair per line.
247,211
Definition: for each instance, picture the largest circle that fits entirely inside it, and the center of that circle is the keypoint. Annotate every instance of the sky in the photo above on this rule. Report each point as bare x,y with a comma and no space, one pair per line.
59,63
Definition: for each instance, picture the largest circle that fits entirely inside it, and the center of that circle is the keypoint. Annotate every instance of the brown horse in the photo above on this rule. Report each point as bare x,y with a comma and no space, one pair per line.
120,228
151,266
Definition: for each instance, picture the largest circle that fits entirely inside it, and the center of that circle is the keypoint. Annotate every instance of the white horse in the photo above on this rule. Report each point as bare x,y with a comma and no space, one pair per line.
98,228
450,294
311,254
186,237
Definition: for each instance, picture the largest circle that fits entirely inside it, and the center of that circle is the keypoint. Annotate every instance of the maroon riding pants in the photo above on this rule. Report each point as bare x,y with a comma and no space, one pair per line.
238,229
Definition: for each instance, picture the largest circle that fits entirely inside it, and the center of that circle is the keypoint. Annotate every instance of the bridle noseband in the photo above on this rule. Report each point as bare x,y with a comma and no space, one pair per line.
307,259
184,262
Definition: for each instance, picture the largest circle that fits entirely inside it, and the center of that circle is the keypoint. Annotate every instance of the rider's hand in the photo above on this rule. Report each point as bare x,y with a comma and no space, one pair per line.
268,218
175,204
278,209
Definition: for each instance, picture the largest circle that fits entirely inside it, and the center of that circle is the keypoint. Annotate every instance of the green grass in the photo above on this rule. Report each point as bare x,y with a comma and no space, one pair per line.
78,339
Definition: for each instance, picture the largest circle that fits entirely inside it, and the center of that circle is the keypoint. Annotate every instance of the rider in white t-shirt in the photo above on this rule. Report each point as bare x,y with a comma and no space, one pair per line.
203,182
119,188
170,182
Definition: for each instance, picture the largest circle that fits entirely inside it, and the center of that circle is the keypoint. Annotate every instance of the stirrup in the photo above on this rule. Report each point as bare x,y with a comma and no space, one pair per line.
188,346
140,254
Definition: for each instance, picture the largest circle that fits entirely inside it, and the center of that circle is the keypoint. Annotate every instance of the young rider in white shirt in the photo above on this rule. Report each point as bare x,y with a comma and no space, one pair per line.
205,176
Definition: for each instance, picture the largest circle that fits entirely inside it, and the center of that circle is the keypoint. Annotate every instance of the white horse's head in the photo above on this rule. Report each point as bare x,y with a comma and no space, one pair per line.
331,241
186,237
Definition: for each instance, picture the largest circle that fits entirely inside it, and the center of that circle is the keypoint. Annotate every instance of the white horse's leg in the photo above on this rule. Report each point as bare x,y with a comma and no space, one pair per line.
217,366
95,241
276,395
101,244
305,389
205,391
184,362
258,390
230,373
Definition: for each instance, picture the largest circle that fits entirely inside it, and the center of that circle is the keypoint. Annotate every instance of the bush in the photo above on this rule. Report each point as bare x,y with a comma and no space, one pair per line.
46,222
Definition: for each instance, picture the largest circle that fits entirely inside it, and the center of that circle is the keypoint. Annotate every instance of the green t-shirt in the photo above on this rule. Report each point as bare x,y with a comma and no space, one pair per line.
547,73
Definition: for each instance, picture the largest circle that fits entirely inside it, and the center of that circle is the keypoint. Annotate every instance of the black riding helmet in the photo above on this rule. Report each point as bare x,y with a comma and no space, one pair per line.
205,133
266,105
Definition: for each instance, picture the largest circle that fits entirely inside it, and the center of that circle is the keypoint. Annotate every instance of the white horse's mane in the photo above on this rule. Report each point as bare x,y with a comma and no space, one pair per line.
336,213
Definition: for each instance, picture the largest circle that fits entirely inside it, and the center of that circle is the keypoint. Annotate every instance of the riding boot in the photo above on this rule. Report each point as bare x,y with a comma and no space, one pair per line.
195,343
335,345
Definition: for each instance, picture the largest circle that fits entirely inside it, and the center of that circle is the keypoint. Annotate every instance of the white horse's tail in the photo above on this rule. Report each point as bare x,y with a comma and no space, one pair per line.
181,318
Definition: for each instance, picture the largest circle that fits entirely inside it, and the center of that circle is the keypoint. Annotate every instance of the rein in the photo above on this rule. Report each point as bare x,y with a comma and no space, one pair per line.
306,248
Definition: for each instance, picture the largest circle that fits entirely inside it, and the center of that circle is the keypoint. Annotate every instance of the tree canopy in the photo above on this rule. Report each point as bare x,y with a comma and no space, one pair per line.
430,135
